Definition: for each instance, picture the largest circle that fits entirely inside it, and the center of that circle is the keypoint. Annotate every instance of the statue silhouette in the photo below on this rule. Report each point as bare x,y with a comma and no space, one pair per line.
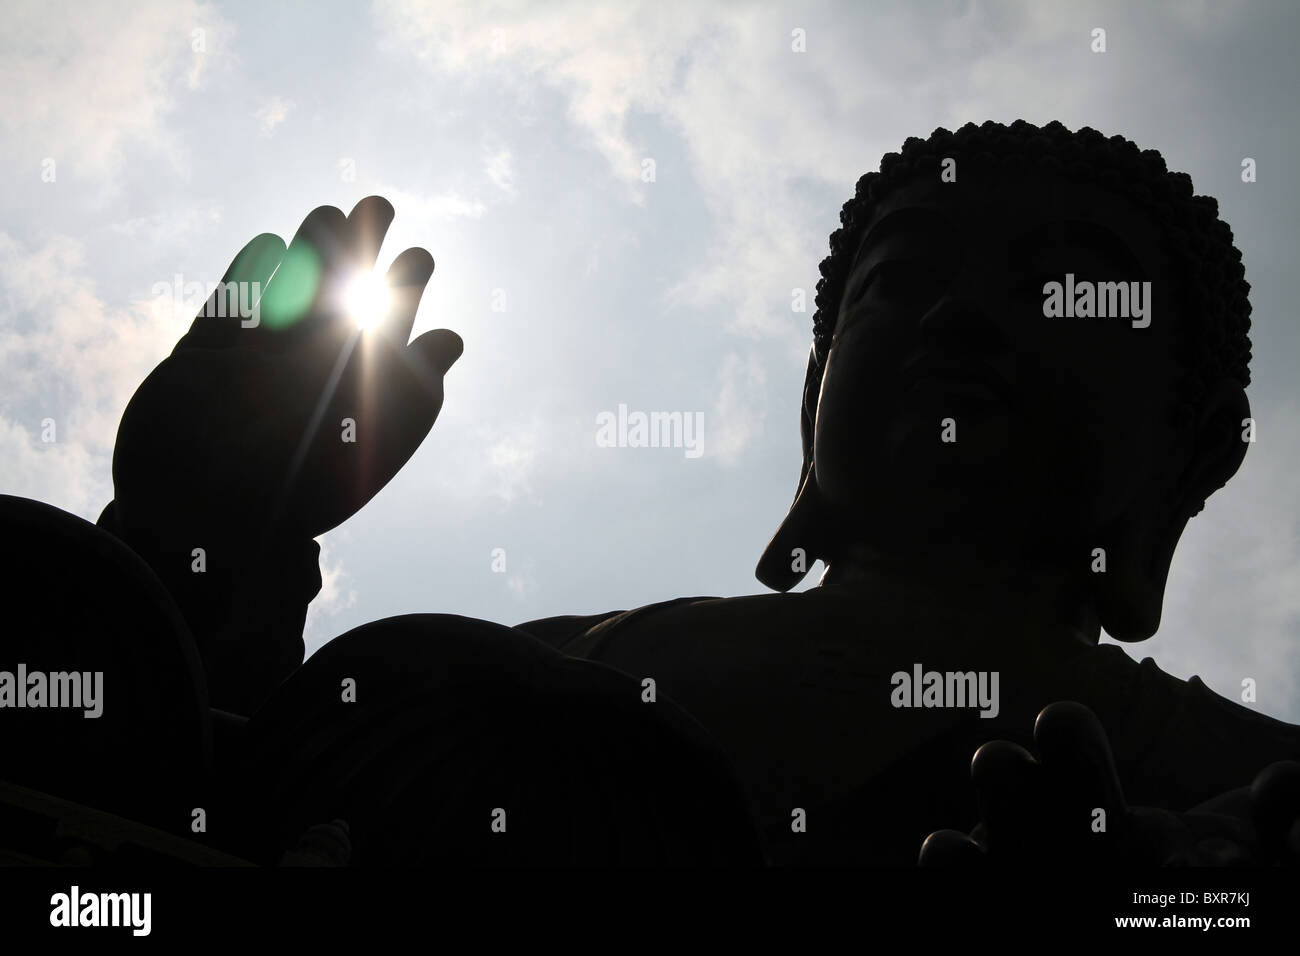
988,481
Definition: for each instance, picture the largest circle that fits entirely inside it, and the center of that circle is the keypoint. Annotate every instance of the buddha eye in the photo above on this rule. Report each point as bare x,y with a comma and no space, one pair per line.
898,278
1031,286
891,284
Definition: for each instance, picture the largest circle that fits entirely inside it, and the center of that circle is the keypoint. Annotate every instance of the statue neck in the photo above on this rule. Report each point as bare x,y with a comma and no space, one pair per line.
997,595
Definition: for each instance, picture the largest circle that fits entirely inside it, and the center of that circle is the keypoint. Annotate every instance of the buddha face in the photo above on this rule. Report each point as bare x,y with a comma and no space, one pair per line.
955,414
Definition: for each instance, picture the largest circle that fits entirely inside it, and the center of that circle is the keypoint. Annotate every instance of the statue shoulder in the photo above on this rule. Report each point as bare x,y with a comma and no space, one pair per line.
569,633
584,635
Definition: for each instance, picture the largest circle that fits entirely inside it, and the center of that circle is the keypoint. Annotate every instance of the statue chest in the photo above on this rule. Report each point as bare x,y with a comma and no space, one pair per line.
816,696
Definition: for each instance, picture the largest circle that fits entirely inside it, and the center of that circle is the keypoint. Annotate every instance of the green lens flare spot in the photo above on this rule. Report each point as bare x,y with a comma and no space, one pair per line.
293,288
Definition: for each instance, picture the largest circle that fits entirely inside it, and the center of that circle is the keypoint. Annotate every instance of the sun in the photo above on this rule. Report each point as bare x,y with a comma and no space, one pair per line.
368,300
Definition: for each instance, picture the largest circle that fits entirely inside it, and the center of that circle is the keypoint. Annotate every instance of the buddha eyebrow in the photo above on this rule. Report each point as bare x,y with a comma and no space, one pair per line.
1079,232
917,218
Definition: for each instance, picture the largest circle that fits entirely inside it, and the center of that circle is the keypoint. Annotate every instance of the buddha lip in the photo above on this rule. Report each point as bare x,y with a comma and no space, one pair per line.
955,371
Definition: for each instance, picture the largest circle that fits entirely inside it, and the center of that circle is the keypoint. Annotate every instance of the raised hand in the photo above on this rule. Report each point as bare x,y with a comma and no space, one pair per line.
290,418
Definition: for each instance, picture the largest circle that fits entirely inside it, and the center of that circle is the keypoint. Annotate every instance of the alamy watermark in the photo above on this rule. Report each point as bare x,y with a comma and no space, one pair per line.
76,690
922,688
75,908
626,429
1100,300
224,300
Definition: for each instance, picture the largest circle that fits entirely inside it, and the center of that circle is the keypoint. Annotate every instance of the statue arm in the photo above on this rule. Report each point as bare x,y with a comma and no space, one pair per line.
557,632
245,603
274,420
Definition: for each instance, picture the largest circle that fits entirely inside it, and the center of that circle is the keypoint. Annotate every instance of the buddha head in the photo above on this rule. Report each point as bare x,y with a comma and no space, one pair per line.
1030,351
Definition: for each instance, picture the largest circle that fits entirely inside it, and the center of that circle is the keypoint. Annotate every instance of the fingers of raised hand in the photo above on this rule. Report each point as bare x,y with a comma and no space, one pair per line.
368,223
301,294
406,280
1275,810
234,306
1075,752
1065,802
951,848
1011,790
287,307
413,391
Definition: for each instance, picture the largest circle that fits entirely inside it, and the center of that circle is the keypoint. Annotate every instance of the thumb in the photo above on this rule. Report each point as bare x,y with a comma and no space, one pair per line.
439,349
410,395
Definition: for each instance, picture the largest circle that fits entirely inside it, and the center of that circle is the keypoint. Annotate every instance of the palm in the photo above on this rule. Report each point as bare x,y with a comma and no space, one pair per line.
291,418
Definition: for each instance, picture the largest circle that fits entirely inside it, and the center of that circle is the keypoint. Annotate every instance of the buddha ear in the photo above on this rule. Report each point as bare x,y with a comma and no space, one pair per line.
1223,430
798,542
1140,544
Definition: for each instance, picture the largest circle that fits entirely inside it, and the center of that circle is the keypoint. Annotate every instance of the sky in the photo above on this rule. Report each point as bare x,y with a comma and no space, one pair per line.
145,141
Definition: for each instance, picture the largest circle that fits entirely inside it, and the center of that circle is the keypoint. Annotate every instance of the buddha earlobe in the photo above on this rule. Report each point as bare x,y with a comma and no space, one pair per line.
798,543
1128,572
1130,591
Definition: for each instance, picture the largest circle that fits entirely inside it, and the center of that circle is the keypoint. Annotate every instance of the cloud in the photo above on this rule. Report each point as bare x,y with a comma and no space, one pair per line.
609,59
421,208
171,228
740,411
523,583
745,136
68,474
494,457
272,113
501,171
79,86
67,356
511,458
335,597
